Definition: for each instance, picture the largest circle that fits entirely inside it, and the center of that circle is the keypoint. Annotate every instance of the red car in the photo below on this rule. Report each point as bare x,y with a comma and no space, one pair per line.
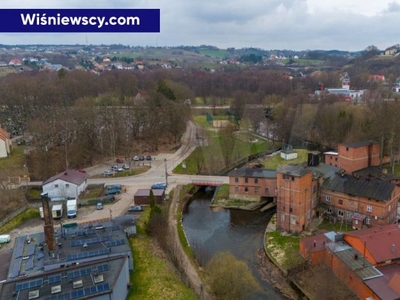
119,160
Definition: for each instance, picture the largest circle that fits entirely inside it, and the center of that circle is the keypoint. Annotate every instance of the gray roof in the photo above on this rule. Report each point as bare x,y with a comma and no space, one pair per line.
71,176
364,187
253,173
296,170
359,144
376,172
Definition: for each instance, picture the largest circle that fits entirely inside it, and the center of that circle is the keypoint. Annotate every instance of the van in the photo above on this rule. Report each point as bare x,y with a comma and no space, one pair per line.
5,238
99,206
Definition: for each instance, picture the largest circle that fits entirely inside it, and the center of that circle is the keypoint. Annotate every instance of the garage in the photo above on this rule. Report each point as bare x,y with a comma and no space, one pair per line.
142,196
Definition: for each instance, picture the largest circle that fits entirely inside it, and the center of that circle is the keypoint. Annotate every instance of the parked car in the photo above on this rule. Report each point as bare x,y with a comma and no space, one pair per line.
148,157
114,187
136,208
99,206
119,160
106,173
117,169
141,157
112,192
5,238
125,167
135,158
159,186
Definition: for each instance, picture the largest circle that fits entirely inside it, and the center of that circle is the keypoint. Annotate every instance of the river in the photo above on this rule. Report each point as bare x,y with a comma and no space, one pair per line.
240,232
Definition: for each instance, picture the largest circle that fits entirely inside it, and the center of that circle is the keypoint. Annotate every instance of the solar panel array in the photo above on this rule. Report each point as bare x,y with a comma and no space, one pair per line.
40,264
86,232
19,247
29,284
16,266
115,243
54,278
79,273
90,290
102,268
76,256
40,255
89,241
31,250
80,293
115,228
29,263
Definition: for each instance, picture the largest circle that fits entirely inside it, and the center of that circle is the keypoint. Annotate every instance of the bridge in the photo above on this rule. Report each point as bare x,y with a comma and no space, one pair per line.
206,183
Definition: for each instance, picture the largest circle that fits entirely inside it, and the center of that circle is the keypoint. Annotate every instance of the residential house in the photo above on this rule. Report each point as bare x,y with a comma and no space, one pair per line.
66,185
15,62
253,184
5,143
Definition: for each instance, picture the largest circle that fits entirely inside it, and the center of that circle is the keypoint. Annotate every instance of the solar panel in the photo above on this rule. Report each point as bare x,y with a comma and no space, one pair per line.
79,273
87,254
115,228
16,266
40,264
29,284
102,268
29,263
19,247
31,250
103,287
89,241
54,278
40,255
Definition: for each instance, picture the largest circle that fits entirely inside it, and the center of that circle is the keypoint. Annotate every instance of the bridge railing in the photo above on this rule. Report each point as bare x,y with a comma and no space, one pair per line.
207,183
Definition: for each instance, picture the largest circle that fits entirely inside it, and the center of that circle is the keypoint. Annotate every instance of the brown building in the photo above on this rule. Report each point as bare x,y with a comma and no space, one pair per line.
253,184
357,156
142,196
362,201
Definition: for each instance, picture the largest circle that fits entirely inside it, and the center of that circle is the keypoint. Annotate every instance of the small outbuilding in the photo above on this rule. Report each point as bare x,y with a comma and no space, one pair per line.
288,154
142,196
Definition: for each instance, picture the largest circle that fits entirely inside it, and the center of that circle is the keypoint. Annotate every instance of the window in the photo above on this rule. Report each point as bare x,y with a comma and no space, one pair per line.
282,217
236,179
266,191
256,190
290,209
67,185
368,221
288,177
56,185
390,207
340,202
255,180
328,198
236,189
246,189
349,215
340,213
246,180
369,208
335,158
329,210
347,148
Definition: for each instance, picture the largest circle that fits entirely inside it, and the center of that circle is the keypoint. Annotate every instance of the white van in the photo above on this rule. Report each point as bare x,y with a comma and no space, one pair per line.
5,238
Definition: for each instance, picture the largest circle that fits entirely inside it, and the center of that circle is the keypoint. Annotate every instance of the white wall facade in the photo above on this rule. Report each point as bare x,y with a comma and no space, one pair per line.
60,189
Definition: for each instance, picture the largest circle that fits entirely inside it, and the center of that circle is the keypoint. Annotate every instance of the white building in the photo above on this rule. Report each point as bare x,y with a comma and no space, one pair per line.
5,143
67,185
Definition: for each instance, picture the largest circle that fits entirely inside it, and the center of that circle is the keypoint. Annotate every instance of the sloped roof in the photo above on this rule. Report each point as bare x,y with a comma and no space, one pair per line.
146,192
379,241
364,187
315,243
297,170
253,173
359,144
71,176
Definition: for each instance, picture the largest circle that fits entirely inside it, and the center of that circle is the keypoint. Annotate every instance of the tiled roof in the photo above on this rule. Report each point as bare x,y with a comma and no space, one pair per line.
379,241
364,187
146,192
296,170
71,176
315,243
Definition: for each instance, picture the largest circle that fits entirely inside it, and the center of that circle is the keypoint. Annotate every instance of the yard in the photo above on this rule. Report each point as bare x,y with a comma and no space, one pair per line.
273,161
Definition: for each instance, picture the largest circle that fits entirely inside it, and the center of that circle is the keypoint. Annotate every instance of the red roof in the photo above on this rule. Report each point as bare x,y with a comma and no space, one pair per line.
383,242
71,176
315,243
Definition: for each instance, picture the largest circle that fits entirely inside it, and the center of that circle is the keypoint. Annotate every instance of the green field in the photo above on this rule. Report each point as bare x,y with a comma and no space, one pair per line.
272,162
221,54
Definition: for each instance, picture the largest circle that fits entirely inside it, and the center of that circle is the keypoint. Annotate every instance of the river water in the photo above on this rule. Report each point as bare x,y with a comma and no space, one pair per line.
240,232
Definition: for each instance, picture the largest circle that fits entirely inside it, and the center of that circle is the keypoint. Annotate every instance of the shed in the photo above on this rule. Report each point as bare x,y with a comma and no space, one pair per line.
288,154
142,196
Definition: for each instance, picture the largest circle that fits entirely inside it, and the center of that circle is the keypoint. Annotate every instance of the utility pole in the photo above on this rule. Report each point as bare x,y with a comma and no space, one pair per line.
166,171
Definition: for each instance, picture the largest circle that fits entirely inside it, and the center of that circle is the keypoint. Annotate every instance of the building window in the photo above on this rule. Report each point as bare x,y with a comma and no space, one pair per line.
256,190
282,217
236,179
335,158
246,189
266,191
351,203
340,202
329,210
255,180
236,189
290,209
368,221
56,185
67,185
390,207
347,148
349,215
328,198
369,208
340,213
246,180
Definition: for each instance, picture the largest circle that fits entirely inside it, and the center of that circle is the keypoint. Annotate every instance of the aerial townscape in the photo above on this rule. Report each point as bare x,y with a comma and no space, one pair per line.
194,172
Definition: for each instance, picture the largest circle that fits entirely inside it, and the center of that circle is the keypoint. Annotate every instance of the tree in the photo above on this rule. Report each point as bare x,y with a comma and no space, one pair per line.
230,278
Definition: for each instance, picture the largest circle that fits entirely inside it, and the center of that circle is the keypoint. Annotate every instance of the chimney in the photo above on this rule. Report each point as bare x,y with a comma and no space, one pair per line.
48,224
393,248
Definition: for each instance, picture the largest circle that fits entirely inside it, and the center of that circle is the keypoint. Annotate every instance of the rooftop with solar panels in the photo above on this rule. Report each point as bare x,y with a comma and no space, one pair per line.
80,262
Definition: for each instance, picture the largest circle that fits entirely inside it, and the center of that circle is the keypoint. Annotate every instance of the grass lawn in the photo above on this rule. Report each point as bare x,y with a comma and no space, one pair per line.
337,227
272,162
201,120
284,249
15,162
26,215
132,172
222,192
